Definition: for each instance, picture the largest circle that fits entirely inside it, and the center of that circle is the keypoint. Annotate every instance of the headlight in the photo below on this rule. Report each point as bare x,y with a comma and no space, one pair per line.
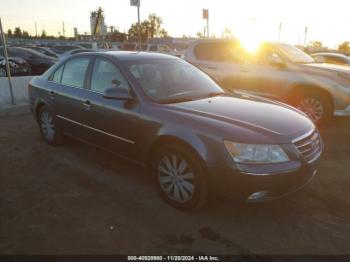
256,154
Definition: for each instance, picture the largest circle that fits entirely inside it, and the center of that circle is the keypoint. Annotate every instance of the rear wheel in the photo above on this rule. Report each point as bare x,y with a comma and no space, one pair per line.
180,177
316,105
48,128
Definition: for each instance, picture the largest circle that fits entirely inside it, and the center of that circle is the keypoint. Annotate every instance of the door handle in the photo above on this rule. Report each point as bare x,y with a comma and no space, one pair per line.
52,94
211,67
87,105
245,70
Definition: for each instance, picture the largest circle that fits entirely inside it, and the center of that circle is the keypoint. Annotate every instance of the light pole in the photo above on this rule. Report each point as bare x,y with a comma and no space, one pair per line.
8,72
206,17
137,3
306,29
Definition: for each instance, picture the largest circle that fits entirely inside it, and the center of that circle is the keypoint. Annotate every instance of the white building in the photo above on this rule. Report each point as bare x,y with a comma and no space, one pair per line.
101,27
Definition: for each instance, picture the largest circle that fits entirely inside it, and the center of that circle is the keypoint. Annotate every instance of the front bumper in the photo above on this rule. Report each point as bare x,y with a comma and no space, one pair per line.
255,188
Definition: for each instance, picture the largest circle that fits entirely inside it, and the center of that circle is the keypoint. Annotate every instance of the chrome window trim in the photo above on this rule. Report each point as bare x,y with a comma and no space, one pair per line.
96,130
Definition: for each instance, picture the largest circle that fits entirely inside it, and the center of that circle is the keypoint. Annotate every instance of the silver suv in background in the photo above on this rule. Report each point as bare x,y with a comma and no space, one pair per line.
277,71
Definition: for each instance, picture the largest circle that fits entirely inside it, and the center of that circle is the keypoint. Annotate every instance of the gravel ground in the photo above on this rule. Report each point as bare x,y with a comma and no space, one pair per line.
76,199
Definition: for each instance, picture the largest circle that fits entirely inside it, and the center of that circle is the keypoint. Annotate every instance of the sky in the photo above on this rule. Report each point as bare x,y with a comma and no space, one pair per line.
249,20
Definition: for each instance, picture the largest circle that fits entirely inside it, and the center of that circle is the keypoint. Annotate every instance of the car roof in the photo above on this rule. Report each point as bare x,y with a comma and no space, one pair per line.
131,55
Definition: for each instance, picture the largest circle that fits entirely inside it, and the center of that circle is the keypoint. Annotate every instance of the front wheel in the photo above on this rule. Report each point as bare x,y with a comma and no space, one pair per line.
317,106
180,177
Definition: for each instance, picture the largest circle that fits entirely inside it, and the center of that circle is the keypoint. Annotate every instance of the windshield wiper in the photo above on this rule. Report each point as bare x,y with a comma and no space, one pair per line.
212,94
176,100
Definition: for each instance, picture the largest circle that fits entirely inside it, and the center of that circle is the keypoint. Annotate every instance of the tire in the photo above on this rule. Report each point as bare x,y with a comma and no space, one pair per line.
186,185
49,130
316,105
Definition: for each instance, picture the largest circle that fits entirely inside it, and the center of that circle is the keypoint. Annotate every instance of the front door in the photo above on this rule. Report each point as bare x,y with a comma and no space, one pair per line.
113,123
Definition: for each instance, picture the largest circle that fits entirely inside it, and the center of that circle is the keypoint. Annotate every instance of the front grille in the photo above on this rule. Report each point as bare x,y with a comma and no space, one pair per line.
309,146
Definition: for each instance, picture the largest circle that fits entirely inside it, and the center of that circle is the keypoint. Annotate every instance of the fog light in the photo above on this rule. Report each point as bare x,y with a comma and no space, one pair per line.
257,196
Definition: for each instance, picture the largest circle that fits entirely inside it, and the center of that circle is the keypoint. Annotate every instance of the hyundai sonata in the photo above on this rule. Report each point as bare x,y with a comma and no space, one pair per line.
162,112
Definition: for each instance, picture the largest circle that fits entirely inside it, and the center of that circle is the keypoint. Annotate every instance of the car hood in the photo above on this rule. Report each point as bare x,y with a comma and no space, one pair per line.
273,119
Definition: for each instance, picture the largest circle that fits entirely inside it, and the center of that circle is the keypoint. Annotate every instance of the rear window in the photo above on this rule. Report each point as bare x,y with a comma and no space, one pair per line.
228,51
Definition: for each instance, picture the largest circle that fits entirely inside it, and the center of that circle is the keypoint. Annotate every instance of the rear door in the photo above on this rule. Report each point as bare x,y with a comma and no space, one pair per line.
69,95
113,122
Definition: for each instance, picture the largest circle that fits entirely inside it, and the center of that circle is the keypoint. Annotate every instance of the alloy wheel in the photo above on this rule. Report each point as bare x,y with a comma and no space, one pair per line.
312,107
176,178
47,125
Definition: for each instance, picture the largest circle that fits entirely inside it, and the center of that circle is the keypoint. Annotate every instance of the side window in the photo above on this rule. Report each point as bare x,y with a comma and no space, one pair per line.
56,77
74,72
269,57
106,75
219,52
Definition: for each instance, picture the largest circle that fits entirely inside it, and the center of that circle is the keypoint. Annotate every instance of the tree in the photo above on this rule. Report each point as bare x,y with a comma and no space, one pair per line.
344,47
9,33
227,33
316,44
18,32
200,34
43,34
25,34
150,28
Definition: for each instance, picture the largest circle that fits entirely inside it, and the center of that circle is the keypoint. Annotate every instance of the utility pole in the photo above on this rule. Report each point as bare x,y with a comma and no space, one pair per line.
279,32
8,72
137,3
63,30
36,30
206,17
306,29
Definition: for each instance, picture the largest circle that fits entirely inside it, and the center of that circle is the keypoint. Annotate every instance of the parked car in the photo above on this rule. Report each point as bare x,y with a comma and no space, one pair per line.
60,49
86,45
160,111
129,47
160,48
18,67
331,58
75,51
38,62
44,50
277,71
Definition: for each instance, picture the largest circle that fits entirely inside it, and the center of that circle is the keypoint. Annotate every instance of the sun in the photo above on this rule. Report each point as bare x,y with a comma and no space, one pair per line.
250,35
250,42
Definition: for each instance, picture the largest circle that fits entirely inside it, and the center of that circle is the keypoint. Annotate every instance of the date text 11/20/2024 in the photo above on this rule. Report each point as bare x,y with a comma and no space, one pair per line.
173,258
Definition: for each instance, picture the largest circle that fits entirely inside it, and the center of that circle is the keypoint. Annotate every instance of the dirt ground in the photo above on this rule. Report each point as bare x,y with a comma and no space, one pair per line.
76,199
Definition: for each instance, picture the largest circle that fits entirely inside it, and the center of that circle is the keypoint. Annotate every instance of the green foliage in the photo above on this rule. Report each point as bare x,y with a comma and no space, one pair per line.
43,34
17,32
316,44
344,47
150,28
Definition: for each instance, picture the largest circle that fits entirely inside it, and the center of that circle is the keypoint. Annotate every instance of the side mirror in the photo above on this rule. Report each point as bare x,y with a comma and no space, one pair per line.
117,94
276,61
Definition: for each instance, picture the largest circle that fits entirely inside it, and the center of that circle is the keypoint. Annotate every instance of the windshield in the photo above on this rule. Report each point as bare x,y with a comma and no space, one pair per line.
172,80
295,54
